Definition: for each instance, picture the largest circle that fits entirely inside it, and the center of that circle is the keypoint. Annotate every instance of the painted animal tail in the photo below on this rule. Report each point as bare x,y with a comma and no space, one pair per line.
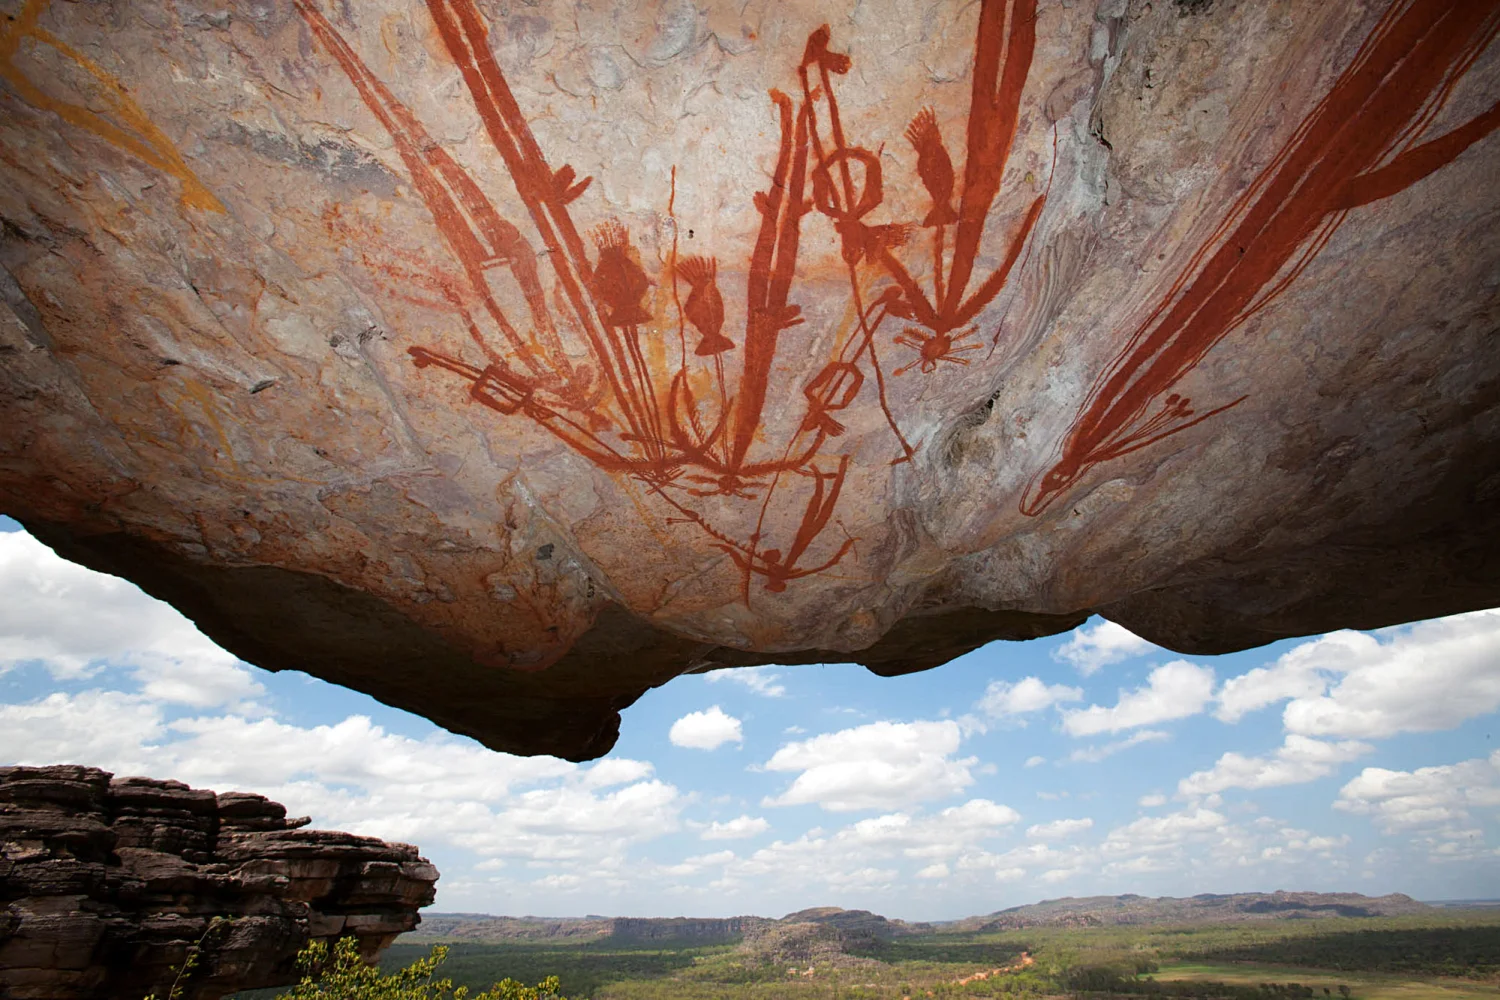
698,271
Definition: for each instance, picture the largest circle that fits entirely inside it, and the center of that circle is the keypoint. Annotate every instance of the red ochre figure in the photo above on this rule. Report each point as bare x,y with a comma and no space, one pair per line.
619,281
932,348
647,421
1359,144
833,389
934,166
705,307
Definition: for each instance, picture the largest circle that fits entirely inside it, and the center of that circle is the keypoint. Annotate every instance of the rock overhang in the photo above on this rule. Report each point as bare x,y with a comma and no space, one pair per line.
504,366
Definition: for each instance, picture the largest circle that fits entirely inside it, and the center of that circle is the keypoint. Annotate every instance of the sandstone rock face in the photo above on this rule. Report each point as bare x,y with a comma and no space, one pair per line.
503,359
107,883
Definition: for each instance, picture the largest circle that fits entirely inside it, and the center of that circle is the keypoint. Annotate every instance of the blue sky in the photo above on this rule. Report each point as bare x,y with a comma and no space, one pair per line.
1086,763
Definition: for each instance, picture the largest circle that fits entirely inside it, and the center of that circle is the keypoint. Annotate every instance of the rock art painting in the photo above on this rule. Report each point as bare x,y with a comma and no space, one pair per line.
504,360
114,117
1365,140
694,427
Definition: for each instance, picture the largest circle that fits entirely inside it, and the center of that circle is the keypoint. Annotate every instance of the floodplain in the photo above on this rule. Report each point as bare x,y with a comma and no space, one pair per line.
1452,954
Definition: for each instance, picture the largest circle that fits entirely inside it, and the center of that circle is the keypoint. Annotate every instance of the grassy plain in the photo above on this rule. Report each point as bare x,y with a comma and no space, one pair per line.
1364,985
1445,955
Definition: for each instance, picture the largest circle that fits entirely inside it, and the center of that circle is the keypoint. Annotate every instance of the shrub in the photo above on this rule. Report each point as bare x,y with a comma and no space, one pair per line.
343,974
189,965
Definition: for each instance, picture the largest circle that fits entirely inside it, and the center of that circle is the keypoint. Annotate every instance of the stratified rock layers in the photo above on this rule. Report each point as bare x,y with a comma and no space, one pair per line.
505,360
108,883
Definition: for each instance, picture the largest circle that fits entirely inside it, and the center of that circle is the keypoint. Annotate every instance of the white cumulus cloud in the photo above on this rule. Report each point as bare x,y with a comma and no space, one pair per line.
1298,673
1418,678
1089,649
1156,833
73,620
1345,688
1428,676
109,729
875,766
1002,699
697,864
356,776
942,834
1297,760
865,855
1438,796
1059,829
761,680
706,730
735,829
1174,690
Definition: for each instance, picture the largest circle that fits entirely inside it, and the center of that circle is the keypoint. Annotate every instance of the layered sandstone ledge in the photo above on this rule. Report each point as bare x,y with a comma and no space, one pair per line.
107,883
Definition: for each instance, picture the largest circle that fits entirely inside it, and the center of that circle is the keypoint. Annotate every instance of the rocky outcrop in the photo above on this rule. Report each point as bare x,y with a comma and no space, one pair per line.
108,883
850,923
561,352
810,943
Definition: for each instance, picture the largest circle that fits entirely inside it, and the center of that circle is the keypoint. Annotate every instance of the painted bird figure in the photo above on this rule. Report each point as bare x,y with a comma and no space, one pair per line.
934,166
705,306
619,282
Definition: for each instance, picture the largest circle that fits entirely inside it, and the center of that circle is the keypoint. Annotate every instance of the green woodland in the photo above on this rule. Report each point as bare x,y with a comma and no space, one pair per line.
1450,954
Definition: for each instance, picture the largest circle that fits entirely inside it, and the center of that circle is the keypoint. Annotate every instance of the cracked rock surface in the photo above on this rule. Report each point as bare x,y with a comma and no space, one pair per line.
505,359
106,884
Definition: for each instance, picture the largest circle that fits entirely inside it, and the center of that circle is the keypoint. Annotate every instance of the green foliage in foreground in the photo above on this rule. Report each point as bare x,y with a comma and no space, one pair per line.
343,975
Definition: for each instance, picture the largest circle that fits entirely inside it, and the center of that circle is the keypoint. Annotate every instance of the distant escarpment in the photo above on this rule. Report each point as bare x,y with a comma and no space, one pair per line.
108,884
822,923
819,933
1094,911
481,927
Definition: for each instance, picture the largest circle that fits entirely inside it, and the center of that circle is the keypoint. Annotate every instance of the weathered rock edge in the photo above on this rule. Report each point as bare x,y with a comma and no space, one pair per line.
107,883
279,619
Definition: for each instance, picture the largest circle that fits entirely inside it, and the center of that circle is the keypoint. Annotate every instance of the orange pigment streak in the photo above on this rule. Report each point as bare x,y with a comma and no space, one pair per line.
1353,149
148,143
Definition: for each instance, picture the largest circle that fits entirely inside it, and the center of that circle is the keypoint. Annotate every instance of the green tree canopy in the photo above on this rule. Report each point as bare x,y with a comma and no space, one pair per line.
343,974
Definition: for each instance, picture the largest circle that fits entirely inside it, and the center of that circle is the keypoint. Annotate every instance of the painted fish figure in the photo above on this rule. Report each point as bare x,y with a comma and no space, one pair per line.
705,306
